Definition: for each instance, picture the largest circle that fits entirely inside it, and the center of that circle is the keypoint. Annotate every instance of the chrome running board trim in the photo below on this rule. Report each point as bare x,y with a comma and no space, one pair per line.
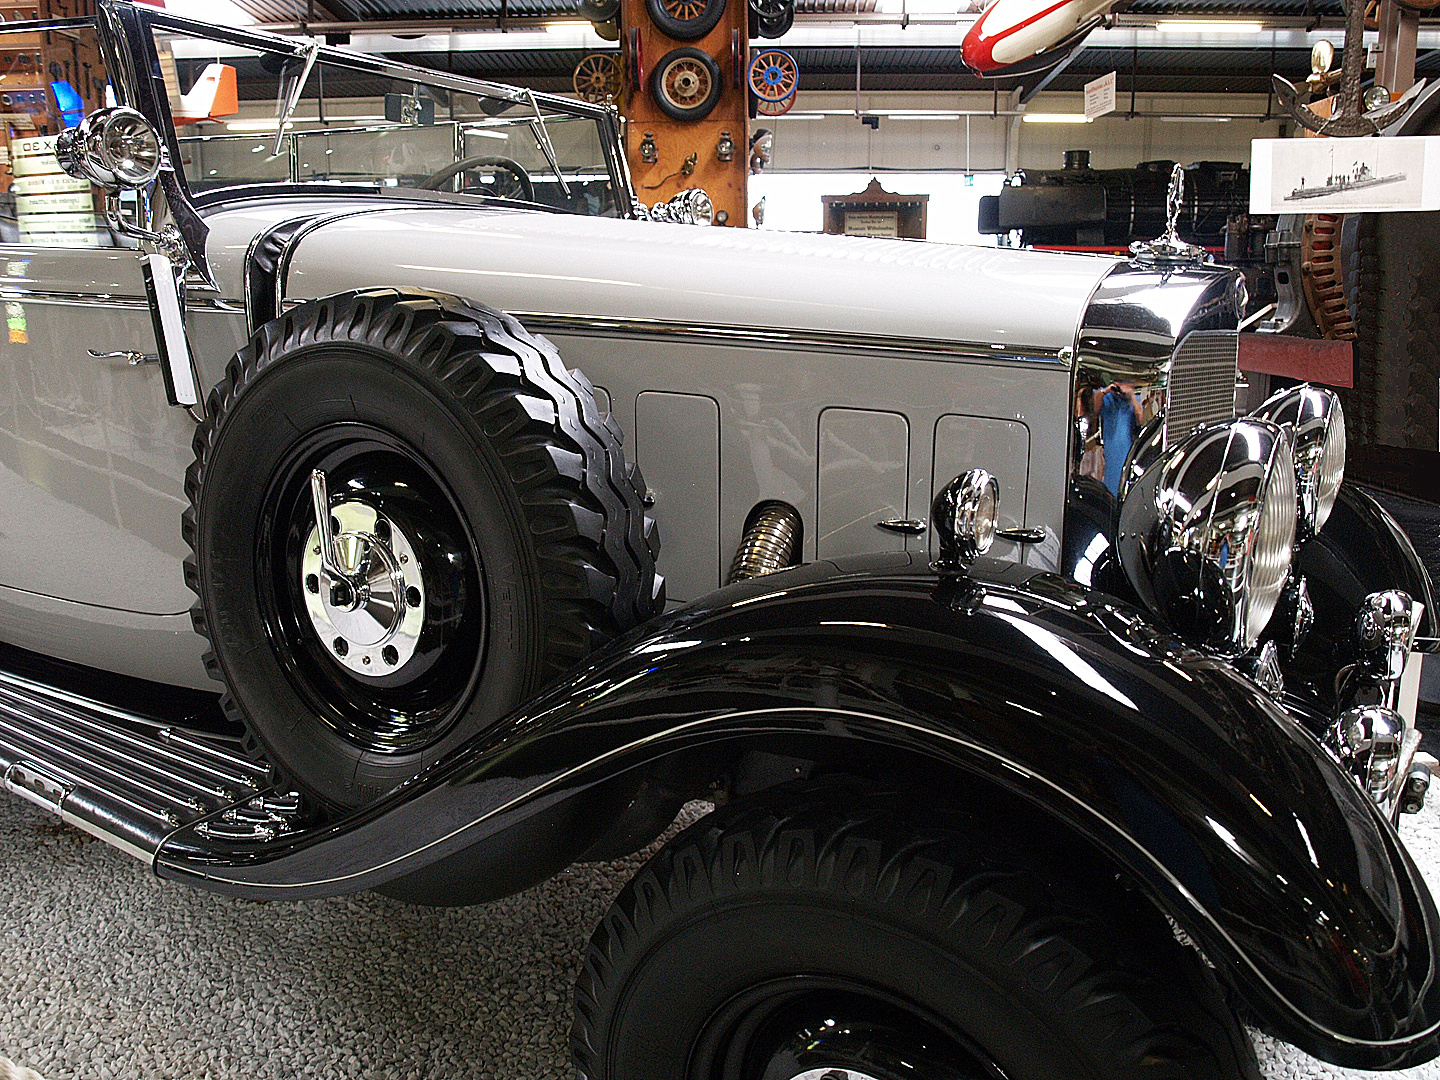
120,776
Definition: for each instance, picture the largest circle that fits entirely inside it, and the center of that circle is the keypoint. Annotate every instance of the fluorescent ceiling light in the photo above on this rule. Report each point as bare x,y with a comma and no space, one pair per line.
1056,118
1207,26
1194,119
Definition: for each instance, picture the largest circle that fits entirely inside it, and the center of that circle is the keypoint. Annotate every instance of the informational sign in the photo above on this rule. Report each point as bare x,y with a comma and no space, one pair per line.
52,208
1338,176
1100,96
872,223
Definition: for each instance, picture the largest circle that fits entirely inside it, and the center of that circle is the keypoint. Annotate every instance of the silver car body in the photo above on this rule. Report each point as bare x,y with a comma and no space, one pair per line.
851,378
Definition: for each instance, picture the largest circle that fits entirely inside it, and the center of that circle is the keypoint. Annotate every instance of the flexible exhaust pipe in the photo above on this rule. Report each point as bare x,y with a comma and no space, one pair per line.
771,542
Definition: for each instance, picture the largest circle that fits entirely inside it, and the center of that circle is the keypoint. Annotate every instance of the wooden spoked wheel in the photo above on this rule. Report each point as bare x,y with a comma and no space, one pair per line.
774,75
597,79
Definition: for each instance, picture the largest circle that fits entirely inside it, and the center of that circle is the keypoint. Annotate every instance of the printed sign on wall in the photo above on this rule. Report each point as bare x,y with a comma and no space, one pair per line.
1100,96
1337,176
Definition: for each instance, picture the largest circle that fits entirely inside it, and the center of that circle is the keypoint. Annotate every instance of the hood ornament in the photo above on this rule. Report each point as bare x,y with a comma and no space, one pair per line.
1168,247
1349,118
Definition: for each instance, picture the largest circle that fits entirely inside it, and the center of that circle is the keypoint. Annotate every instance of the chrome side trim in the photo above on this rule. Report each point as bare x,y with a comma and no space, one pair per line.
73,299
786,337
1016,767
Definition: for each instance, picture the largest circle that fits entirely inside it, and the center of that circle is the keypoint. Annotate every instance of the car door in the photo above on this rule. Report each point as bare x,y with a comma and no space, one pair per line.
92,457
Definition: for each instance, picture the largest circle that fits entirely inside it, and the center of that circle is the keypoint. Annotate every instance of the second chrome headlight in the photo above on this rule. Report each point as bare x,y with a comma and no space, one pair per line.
1206,534
1315,422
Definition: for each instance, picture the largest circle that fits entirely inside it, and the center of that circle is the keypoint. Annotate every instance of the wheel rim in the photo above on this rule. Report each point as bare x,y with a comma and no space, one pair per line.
808,1028
415,606
686,83
774,75
685,10
371,616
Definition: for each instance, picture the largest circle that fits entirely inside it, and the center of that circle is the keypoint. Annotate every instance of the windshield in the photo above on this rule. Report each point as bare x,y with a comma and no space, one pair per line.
380,129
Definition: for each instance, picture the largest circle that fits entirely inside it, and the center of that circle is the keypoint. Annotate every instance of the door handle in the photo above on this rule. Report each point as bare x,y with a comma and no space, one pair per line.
131,356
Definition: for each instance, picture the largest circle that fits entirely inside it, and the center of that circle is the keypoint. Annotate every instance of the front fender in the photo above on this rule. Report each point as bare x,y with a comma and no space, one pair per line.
1221,807
1361,550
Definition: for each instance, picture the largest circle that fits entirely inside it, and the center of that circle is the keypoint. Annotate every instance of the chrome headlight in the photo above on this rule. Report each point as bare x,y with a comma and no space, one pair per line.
966,514
113,148
692,207
1207,533
1316,424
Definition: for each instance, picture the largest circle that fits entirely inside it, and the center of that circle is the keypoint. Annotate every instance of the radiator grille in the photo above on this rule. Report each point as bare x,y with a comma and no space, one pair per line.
1201,388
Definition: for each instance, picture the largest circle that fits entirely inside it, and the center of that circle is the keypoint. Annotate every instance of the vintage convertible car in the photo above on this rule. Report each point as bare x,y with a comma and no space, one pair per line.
1056,716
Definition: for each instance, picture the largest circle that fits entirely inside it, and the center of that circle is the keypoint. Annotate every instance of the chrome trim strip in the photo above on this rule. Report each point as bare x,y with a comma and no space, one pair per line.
72,299
1029,774
785,337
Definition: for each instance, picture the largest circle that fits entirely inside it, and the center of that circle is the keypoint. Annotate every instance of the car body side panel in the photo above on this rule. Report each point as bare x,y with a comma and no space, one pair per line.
1211,798
679,435
921,338
92,459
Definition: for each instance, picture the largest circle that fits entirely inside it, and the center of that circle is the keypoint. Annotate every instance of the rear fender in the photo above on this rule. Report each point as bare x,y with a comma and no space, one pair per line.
1212,799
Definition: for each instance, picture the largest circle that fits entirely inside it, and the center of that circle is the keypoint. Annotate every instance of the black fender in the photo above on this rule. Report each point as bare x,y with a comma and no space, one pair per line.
1201,789
1360,550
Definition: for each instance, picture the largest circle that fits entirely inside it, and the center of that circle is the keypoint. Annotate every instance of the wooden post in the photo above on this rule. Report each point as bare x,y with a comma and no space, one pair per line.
675,140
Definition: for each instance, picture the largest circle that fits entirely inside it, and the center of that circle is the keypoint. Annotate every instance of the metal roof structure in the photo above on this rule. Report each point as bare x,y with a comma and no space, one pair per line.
894,50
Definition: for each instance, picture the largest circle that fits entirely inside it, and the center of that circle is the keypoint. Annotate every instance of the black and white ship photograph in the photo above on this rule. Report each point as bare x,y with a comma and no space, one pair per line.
1338,175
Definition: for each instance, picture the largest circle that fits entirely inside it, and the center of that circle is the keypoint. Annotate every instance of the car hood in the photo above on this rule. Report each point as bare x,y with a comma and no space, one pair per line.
525,262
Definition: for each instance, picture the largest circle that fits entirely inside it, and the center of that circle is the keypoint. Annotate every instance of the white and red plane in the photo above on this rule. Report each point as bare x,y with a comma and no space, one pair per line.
1013,37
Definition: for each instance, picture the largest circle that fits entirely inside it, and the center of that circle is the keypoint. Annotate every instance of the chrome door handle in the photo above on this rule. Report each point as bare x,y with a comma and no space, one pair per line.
131,356
905,526
1021,536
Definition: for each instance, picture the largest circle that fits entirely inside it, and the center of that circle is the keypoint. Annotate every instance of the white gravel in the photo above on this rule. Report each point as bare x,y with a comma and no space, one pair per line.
110,972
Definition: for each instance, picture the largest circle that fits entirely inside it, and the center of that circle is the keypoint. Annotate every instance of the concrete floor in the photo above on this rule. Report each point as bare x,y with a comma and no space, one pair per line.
109,972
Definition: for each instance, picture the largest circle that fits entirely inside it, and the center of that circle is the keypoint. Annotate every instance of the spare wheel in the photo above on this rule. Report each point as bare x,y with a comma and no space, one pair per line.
485,533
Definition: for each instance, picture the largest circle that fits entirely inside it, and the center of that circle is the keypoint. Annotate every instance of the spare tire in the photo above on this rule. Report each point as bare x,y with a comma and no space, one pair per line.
685,20
488,534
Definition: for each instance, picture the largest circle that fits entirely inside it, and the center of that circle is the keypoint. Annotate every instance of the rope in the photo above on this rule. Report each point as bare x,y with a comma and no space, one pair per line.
10,1071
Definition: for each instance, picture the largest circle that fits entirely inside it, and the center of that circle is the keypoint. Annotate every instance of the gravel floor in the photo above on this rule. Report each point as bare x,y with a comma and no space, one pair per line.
109,972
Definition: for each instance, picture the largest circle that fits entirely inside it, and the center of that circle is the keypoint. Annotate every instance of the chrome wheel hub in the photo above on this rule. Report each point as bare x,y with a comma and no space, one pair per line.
368,604
831,1074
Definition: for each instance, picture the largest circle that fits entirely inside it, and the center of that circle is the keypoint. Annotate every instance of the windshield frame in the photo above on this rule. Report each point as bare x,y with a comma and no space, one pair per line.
133,28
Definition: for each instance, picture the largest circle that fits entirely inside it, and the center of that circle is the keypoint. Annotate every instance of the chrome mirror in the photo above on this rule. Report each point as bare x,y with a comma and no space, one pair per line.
116,149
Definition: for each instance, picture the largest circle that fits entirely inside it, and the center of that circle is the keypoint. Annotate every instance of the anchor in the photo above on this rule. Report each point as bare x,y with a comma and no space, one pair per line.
1349,117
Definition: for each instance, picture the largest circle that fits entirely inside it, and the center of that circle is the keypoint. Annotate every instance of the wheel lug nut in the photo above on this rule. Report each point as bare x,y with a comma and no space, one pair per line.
390,655
312,583
341,646
365,659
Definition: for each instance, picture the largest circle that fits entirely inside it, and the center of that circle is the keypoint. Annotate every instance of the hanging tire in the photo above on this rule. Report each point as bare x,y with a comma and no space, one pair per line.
488,533
686,84
685,20
598,11
850,932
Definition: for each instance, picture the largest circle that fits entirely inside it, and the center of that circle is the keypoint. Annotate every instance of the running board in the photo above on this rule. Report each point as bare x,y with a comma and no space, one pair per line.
127,779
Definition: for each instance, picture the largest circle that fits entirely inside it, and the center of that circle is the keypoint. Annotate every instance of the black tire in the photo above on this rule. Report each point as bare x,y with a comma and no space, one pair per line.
778,26
685,20
493,463
599,11
730,950
686,84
